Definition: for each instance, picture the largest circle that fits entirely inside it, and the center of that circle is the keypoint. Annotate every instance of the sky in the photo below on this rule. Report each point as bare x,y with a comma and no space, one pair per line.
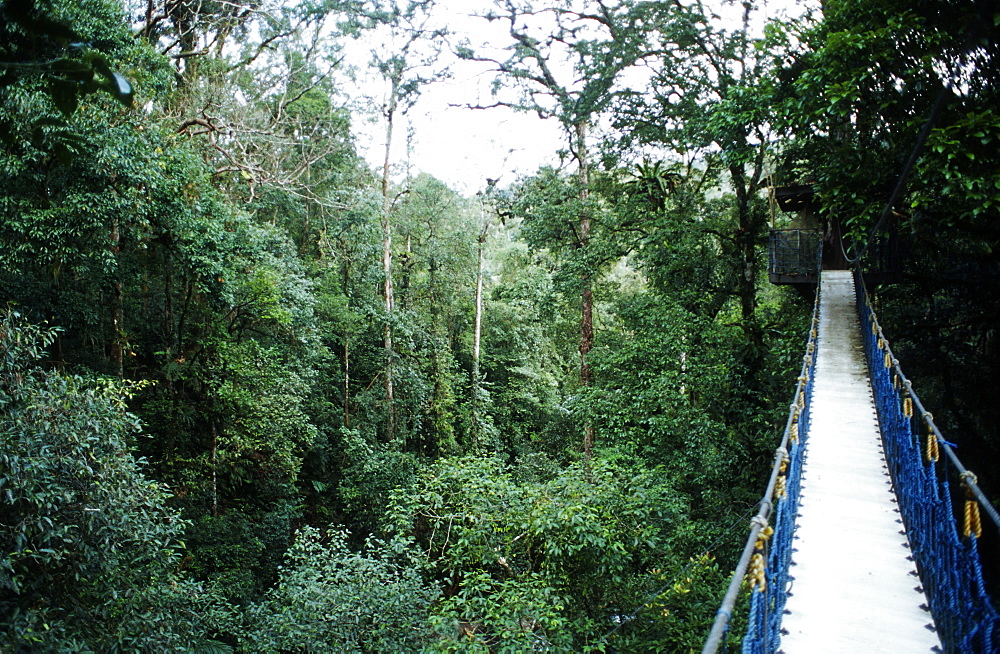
464,147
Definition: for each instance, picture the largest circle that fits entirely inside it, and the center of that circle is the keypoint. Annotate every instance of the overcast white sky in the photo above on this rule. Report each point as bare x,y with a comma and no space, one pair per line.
463,147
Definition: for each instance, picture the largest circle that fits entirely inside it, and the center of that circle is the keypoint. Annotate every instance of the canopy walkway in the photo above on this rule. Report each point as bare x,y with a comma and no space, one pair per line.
856,547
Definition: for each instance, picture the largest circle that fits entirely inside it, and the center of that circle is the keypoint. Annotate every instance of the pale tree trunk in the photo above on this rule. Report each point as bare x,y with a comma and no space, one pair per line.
587,295
387,258
347,380
477,334
117,313
214,491
347,356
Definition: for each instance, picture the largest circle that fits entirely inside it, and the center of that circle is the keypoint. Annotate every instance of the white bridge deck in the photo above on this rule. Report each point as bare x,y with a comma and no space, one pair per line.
855,588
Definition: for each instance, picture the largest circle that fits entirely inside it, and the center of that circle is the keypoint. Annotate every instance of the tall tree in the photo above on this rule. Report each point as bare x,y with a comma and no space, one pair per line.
404,57
436,293
256,91
567,61
708,99
483,229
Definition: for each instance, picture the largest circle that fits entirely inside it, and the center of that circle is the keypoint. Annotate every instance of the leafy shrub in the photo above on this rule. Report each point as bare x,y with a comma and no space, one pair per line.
537,565
88,550
329,598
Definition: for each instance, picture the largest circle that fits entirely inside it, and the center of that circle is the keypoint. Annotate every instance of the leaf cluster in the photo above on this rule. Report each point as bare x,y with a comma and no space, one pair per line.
90,548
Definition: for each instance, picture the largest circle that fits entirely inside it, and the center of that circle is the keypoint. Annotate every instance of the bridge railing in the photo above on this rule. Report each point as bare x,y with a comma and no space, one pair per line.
794,255
768,547
947,557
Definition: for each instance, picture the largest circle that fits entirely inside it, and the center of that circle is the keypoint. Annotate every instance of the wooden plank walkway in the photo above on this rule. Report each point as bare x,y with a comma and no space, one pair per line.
854,587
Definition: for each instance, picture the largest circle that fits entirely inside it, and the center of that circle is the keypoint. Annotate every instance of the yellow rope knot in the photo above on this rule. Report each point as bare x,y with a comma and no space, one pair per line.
780,491
874,326
895,381
756,573
908,407
888,360
793,431
780,485
933,451
973,525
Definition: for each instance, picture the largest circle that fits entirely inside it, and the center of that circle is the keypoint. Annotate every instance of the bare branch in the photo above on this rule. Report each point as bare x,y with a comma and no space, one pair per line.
261,48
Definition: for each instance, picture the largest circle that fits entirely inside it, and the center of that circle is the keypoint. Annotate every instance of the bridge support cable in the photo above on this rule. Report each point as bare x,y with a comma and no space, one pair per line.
946,555
768,548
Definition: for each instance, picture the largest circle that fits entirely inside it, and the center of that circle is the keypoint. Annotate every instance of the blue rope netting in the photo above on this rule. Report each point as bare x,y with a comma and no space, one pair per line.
767,606
949,563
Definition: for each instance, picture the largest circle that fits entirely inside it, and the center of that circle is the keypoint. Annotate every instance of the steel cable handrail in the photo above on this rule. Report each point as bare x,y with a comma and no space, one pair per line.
943,444
793,435
943,538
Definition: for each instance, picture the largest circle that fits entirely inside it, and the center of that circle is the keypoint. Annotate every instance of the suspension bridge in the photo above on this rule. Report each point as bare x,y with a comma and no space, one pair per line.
856,546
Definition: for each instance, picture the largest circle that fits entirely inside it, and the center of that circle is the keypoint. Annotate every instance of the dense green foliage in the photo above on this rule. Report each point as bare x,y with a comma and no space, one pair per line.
90,547
856,98
373,601
252,400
